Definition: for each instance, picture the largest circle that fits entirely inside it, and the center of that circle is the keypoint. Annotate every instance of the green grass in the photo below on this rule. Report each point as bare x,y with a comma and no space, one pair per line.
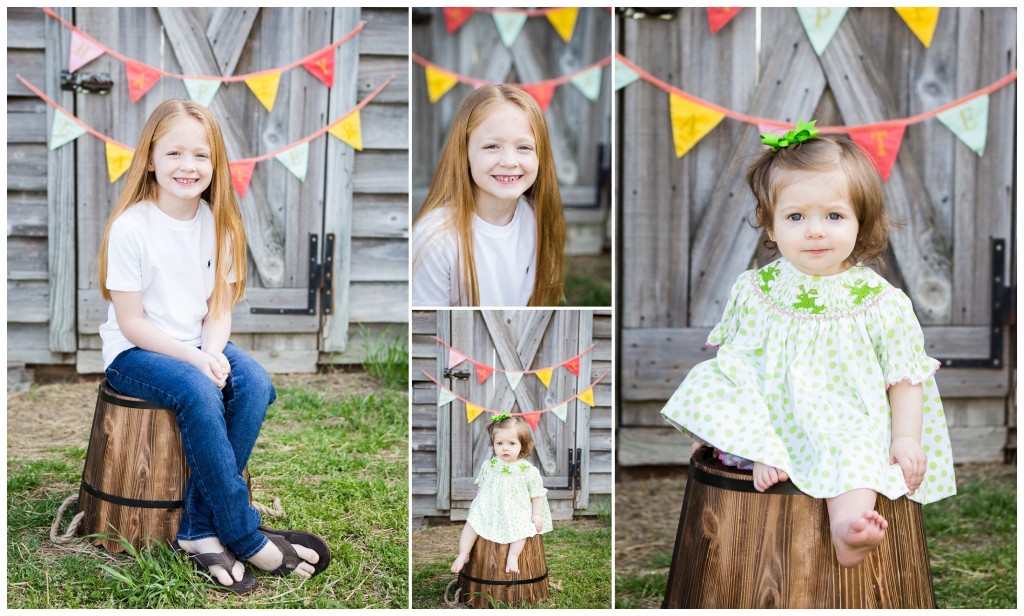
581,291
386,358
339,467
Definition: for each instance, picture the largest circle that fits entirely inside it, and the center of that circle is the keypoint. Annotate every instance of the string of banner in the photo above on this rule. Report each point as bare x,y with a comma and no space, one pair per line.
510,22
201,88
483,370
295,156
693,118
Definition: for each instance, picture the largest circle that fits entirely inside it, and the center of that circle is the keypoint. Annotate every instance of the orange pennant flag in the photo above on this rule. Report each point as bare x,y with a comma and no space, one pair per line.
573,365
532,418
140,79
690,122
882,145
241,174
718,17
438,83
472,411
322,67
587,397
265,88
482,372
454,17
542,92
564,21
118,159
921,20
349,130
545,376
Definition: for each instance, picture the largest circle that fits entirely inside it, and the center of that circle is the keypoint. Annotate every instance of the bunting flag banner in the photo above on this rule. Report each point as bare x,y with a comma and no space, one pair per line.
573,365
587,397
472,412
455,358
559,411
969,122
83,51
118,159
241,175
265,88
533,419
882,145
296,160
718,17
564,21
542,92
64,130
624,75
690,122
921,20
509,25
438,83
589,83
350,130
482,372
454,17
545,376
821,24
444,396
201,91
321,66
140,79
514,378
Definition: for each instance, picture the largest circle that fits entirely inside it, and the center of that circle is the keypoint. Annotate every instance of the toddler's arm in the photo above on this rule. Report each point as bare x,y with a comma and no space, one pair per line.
907,404
538,512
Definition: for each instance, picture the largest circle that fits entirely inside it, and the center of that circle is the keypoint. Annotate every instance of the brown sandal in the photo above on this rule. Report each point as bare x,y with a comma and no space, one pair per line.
284,539
204,561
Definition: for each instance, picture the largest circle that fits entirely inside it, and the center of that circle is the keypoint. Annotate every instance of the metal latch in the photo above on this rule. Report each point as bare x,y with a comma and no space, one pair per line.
456,374
86,83
321,276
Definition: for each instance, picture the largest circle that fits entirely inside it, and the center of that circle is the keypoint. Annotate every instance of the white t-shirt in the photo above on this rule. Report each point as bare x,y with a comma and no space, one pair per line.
505,257
172,262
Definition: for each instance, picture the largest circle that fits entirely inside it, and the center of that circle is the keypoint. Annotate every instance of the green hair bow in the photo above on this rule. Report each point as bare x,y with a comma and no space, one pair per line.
803,132
500,417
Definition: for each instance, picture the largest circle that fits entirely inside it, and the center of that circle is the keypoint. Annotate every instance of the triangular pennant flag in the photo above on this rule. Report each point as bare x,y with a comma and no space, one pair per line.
438,83
296,160
718,17
472,411
543,92
969,122
587,397
140,79
764,128
922,21
882,145
241,175
265,88
690,122
82,52
118,159
589,83
455,358
545,376
559,411
821,24
454,17
509,25
532,418
514,378
350,130
624,75
64,130
202,90
564,21
573,365
482,372
322,66
444,396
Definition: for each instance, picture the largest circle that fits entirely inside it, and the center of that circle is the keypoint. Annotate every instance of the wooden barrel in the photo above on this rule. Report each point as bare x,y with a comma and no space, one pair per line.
738,548
484,583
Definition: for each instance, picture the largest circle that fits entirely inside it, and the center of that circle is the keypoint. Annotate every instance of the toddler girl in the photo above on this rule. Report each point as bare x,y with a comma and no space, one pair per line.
821,376
510,506
172,264
491,231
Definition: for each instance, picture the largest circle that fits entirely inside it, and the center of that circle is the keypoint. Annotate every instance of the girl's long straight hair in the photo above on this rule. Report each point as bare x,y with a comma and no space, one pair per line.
452,187
140,185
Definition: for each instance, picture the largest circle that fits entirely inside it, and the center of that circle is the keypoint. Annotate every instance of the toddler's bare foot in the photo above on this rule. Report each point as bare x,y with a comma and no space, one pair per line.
695,446
459,563
512,564
854,542
213,545
766,476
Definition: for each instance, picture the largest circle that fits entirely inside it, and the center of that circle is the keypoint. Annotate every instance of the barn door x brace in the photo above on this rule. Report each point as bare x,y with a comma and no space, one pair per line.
321,276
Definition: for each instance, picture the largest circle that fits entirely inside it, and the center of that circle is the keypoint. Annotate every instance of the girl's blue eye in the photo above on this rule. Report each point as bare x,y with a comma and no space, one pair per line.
795,217
835,216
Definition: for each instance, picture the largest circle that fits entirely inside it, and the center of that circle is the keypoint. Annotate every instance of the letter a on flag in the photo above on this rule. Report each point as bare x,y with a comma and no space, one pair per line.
690,122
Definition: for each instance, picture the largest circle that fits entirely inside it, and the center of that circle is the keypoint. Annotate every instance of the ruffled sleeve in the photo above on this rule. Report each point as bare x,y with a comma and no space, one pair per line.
899,342
480,477
534,483
735,309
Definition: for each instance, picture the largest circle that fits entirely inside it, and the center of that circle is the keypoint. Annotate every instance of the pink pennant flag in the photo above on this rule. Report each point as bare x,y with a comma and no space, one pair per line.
482,372
532,418
83,51
718,17
241,175
542,92
454,17
882,144
764,128
573,365
322,66
455,358
140,79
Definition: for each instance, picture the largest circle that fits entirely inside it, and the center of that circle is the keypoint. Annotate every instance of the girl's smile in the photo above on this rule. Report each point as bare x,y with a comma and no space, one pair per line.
182,167
502,161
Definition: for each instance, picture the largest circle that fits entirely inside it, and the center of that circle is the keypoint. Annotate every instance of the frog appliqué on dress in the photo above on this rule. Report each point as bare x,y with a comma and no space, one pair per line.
506,470
862,291
767,274
807,301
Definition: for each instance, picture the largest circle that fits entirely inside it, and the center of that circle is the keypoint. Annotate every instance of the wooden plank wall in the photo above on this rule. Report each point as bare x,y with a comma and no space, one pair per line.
665,199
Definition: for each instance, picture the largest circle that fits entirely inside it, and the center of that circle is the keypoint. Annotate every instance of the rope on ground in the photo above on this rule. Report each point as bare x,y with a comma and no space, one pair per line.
455,600
68,535
274,511
555,585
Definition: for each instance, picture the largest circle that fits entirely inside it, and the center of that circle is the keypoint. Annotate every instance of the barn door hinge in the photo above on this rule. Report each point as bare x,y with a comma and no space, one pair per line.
574,482
321,277
1002,297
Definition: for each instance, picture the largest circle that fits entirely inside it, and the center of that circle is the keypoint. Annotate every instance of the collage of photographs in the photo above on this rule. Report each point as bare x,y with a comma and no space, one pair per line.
593,308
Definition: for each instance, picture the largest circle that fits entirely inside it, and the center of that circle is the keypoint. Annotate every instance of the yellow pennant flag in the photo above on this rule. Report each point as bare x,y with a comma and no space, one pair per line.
690,122
587,397
265,88
564,21
921,19
545,376
438,83
350,131
118,159
472,411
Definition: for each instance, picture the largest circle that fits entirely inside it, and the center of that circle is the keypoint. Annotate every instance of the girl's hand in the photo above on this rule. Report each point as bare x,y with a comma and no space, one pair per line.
210,366
223,364
538,521
907,452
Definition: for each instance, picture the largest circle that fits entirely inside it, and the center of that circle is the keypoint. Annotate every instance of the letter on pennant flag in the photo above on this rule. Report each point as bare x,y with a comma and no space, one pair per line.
454,17
969,122
296,160
118,159
589,83
624,75
718,17
482,372
322,66
921,20
265,88
241,175
444,396
140,79
543,92
559,411
455,358
690,122
821,23
509,25
202,90
564,21
882,144
350,130
83,51
587,397
514,378
64,130
438,83
573,365
472,411
545,376
532,418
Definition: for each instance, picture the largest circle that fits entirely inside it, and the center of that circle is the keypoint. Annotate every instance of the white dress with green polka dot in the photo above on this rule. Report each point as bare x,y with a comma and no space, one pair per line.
502,511
800,379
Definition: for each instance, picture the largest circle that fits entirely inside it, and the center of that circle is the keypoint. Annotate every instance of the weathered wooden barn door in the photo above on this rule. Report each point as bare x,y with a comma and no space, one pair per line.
685,226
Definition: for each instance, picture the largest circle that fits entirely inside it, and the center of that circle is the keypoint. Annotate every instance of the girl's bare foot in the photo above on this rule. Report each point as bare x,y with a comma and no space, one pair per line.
270,558
766,476
512,564
695,446
855,539
212,545
460,562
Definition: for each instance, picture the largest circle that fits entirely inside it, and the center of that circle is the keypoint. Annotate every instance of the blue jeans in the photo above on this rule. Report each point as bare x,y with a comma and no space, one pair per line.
218,431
